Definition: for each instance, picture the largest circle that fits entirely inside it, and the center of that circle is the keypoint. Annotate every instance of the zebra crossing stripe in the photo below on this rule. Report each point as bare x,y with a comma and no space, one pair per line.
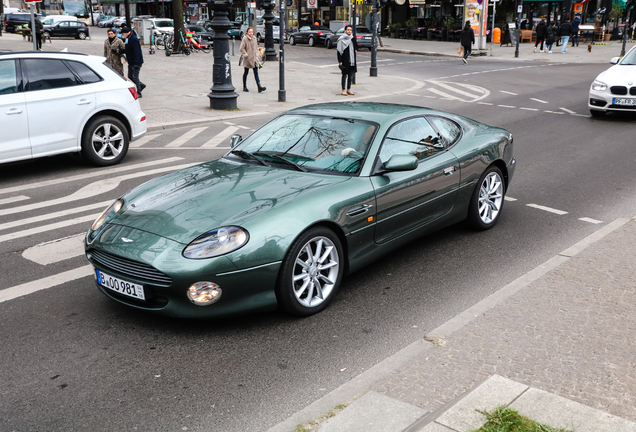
143,140
226,133
456,90
442,94
186,137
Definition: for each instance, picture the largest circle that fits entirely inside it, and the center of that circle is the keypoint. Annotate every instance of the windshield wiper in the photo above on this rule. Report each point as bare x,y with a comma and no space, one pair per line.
282,159
247,155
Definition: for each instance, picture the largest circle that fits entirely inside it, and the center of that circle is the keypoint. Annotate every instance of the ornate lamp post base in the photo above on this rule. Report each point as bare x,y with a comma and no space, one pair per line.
222,95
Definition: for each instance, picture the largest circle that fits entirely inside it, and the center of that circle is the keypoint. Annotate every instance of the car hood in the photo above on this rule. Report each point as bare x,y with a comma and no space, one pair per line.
187,203
619,75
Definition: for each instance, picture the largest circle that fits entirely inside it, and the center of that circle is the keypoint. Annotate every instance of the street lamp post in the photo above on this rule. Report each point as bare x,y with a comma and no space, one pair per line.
282,94
519,9
222,95
373,70
270,52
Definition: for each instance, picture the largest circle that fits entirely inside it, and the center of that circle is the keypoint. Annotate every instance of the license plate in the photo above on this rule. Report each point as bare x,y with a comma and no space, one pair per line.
367,38
120,286
624,101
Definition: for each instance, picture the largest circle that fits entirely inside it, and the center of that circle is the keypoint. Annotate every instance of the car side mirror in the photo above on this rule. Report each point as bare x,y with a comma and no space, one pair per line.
401,163
235,140
615,60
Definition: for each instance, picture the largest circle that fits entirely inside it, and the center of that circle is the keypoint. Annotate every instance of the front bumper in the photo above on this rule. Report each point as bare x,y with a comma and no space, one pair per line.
604,101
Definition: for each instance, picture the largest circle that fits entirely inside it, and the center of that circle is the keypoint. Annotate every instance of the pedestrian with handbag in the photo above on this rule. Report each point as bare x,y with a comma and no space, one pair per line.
467,39
113,50
347,47
249,54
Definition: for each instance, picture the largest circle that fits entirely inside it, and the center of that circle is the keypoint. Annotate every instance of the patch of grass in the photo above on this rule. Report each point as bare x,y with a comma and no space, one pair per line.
505,419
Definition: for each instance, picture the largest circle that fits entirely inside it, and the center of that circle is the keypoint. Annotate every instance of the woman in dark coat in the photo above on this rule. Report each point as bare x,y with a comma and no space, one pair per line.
347,47
550,32
467,39
541,30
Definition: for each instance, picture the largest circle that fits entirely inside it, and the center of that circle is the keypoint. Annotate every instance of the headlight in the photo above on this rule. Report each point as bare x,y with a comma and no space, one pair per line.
216,242
107,214
599,86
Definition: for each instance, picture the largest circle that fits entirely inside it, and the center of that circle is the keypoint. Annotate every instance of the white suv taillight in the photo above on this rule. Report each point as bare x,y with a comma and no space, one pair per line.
133,92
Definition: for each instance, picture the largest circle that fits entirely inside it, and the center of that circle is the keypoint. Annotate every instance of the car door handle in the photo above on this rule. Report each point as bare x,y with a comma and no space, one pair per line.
13,111
449,171
84,102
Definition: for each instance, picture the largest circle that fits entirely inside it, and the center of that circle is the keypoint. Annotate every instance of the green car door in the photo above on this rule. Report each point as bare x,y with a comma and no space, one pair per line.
407,200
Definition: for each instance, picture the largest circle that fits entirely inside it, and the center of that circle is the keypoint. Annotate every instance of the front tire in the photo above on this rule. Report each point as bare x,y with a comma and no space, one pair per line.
105,141
292,41
487,200
311,41
329,44
597,113
311,272
82,35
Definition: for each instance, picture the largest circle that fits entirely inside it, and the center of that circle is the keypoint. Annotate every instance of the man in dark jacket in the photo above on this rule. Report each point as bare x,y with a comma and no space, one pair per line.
575,30
467,39
542,29
565,31
134,57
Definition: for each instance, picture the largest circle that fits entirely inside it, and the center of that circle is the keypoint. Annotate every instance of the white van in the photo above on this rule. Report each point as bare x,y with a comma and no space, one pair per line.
54,19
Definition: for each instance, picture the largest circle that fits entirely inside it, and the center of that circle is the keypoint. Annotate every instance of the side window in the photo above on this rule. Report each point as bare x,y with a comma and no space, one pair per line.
47,74
411,137
64,24
8,77
449,130
87,74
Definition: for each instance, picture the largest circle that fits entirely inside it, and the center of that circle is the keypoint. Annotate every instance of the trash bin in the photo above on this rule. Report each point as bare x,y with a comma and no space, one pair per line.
496,34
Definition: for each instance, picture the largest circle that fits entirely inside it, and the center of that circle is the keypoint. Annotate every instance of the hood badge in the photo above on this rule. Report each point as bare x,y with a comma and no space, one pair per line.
126,240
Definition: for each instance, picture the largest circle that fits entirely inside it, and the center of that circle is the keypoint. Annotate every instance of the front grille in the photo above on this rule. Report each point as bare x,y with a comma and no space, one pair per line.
632,91
619,90
131,268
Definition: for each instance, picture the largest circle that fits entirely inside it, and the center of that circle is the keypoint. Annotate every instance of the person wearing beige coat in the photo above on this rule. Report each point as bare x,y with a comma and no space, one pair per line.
249,51
113,48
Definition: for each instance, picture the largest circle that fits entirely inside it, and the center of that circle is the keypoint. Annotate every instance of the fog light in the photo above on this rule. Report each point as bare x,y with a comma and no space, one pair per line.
204,293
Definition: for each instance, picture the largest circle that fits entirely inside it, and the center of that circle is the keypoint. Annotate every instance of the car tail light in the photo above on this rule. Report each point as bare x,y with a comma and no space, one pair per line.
133,92
142,119
320,33
358,36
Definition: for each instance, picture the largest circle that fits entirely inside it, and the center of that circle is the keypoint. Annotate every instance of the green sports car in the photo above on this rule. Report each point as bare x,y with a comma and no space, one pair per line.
316,193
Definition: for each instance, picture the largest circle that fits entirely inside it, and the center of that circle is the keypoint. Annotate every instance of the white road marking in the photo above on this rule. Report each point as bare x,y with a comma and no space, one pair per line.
45,283
143,140
507,92
56,250
34,219
93,189
442,94
506,106
529,109
93,173
13,199
224,134
510,198
430,97
50,227
567,110
590,220
539,100
484,103
548,209
413,94
185,137
456,90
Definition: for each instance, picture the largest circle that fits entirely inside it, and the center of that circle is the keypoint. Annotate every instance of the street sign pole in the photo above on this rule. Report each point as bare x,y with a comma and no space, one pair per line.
282,94
519,9
33,28
492,28
373,70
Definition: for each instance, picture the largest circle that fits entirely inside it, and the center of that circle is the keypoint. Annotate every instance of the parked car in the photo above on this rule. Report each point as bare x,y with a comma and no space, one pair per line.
311,34
163,24
364,37
207,37
53,102
118,22
615,89
316,193
102,20
54,19
110,22
235,31
259,31
12,21
76,29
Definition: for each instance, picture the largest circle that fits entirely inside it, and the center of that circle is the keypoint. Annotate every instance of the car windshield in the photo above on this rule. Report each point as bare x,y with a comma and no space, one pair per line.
630,58
197,29
164,24
362,30
314,143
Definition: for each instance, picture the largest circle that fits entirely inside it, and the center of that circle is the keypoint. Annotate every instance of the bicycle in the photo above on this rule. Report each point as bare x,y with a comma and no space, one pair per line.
183,47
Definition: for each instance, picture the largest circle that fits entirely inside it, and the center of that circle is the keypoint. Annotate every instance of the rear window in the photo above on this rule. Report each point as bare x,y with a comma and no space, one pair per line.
87,74
47,74
8,77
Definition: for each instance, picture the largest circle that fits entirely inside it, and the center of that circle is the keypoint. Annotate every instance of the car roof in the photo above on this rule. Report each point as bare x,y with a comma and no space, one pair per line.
52,54
373,111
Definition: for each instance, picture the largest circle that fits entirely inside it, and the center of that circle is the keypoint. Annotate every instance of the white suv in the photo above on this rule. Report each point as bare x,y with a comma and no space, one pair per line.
52,103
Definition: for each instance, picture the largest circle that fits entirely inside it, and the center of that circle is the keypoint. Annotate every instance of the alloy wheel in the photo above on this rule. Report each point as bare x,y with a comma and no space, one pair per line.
490,197
315,271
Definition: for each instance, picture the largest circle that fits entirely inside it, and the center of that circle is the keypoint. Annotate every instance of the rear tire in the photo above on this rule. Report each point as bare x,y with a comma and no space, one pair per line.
329,43
597,113
487,200
292,41
82,35
105,141
311,41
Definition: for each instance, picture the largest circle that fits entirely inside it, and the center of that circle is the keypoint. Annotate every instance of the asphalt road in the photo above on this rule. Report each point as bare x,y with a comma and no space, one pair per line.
71,359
